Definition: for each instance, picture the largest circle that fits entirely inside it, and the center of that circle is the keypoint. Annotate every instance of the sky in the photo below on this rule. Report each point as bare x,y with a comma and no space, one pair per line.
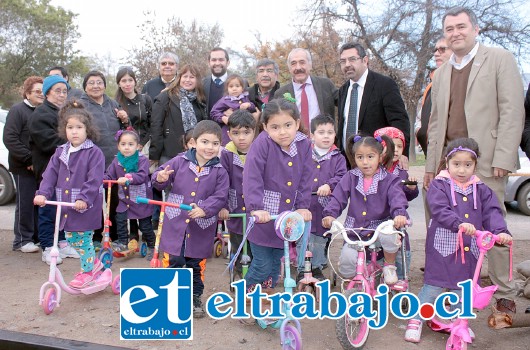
110,26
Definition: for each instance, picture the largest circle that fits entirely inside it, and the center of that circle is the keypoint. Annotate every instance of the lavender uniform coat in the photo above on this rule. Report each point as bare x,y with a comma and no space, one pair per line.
236,202
276,180
328,169
77,177
384,200
208,188
443,264
139,186
225,103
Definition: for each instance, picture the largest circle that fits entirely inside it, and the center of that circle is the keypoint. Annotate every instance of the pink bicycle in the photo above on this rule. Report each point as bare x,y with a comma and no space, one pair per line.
353,333
50,292
459,329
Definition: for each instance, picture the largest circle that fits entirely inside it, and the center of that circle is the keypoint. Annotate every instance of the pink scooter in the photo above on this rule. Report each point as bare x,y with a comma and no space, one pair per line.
50,292
460,336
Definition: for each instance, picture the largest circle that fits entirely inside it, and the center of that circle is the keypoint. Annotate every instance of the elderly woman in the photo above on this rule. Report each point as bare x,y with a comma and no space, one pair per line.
16,139
44,140
175,111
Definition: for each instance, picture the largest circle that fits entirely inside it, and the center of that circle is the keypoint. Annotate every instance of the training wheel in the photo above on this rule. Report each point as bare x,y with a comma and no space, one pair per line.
116,285
217,249
292,340
50,301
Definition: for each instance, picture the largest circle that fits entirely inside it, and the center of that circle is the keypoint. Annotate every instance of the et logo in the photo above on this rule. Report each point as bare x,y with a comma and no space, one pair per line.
156,304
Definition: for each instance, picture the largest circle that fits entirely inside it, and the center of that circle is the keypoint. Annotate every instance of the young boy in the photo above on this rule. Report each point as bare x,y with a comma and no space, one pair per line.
197,178
329,165
241,131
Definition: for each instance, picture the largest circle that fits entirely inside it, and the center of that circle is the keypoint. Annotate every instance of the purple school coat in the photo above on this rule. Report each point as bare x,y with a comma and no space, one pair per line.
236,204
275,180
328,169
139,186
208,188
224,104
384,200
79,177
443,264
404,175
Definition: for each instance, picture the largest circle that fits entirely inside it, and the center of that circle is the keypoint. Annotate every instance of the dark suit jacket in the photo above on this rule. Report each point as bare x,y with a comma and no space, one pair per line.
381,106
326,92
253,94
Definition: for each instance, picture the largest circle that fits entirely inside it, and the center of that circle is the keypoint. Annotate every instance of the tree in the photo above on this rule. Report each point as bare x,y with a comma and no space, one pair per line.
34,36
192,44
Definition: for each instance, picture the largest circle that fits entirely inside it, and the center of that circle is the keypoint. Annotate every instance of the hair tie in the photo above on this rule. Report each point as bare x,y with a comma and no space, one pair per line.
357,138
459,149
118,134
288,97
379,139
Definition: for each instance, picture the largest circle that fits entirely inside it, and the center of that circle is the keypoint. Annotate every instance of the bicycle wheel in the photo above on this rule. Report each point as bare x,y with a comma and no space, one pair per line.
455,342
352,334
292,340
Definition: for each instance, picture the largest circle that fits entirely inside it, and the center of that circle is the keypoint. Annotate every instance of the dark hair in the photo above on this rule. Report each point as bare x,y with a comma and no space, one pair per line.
241,118
129,131
463,142
207,127
174,87
120,97
218,49
368,141
322,119
234,77
75,109
281,105
360,49
63,71
455,11
188,135
94,73
267,62
28,85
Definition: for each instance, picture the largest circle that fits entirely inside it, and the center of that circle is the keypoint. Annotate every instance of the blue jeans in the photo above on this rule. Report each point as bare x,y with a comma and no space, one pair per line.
429,293
145,226
47,225
317,246
265,264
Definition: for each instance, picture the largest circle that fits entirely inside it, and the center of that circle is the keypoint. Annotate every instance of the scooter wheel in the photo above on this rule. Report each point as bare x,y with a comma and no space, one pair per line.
116,285
455,342
50,301
106,258
143,250
292,340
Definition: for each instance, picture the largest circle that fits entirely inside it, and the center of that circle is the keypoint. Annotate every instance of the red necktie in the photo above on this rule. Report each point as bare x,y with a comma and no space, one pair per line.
304,107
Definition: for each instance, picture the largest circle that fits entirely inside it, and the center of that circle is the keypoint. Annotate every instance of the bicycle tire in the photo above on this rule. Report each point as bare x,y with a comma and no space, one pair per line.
352,334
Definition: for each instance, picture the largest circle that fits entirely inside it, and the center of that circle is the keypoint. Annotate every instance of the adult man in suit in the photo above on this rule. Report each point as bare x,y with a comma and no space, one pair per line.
168,65
478,93
214,83
368,100
314,95
266,82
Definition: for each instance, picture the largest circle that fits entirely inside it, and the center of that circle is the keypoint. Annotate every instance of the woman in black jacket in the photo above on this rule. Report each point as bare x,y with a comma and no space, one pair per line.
176,110
16,139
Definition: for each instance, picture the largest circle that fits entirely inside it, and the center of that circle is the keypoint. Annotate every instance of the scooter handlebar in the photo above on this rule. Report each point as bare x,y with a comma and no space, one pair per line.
143,200
60,204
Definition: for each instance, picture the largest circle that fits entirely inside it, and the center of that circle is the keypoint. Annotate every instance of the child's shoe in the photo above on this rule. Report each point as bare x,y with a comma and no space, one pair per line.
389,273
47,257
198,310
67,251
413,333
150,254
317,273
119,247
83,279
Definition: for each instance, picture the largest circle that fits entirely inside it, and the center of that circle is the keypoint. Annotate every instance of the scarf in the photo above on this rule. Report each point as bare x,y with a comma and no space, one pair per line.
129,163
189,120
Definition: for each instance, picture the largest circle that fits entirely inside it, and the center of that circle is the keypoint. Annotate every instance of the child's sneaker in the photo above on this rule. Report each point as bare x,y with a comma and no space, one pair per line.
317,273
67,251
150,254
119,247
47,257
413,333
390,275
83,279
29,247
198,310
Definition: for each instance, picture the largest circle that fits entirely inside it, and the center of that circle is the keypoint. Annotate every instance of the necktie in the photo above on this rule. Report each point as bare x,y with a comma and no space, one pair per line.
352,112
217,81
304,107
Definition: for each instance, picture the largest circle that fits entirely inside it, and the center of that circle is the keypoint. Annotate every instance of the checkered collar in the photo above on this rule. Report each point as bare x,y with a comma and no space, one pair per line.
66,147
378,176
293,151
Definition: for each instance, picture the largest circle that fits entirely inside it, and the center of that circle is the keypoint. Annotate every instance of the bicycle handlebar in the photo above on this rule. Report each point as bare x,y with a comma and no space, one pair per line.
386,227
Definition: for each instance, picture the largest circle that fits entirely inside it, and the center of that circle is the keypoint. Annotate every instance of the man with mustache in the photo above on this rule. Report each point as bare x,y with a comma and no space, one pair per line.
368,100
266,82
314,95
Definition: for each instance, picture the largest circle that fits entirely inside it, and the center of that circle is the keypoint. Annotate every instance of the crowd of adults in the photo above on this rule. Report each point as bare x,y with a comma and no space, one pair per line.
476,91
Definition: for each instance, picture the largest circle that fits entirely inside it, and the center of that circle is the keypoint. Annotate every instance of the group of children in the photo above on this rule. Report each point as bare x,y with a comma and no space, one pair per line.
280,169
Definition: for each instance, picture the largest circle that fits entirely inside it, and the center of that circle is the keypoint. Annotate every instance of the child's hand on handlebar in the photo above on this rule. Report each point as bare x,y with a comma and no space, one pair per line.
80,205
400,221
163,175
262,216
504,238
122,181
196,212
412,187
224,214
306,214
468,229
324,190
327,221
39,200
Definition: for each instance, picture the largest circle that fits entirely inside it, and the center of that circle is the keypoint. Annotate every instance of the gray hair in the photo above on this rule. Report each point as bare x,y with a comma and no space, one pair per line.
308,55
455,11
267,62
167,54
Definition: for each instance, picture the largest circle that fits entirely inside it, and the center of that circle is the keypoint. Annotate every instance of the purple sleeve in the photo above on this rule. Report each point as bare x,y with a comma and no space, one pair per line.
94,178
252,107
139,177
305,180
439,201
217,201
339,197
50,176
218,110
111,174
396,198
253,183
492,218
340,170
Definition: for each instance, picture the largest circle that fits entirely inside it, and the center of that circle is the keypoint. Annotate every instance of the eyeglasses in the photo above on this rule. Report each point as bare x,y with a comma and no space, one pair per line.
268,70
38,92
352,59
95,82
60,91
440,49
167,63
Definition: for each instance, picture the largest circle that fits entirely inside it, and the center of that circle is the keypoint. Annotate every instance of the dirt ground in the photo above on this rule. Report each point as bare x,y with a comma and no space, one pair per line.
95,318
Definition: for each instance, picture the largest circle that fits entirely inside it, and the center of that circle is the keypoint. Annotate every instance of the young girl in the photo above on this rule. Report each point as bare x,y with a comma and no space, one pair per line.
276,178
374,195
75,175
197,178
131,169
187,140
236,98
457,200
411,191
